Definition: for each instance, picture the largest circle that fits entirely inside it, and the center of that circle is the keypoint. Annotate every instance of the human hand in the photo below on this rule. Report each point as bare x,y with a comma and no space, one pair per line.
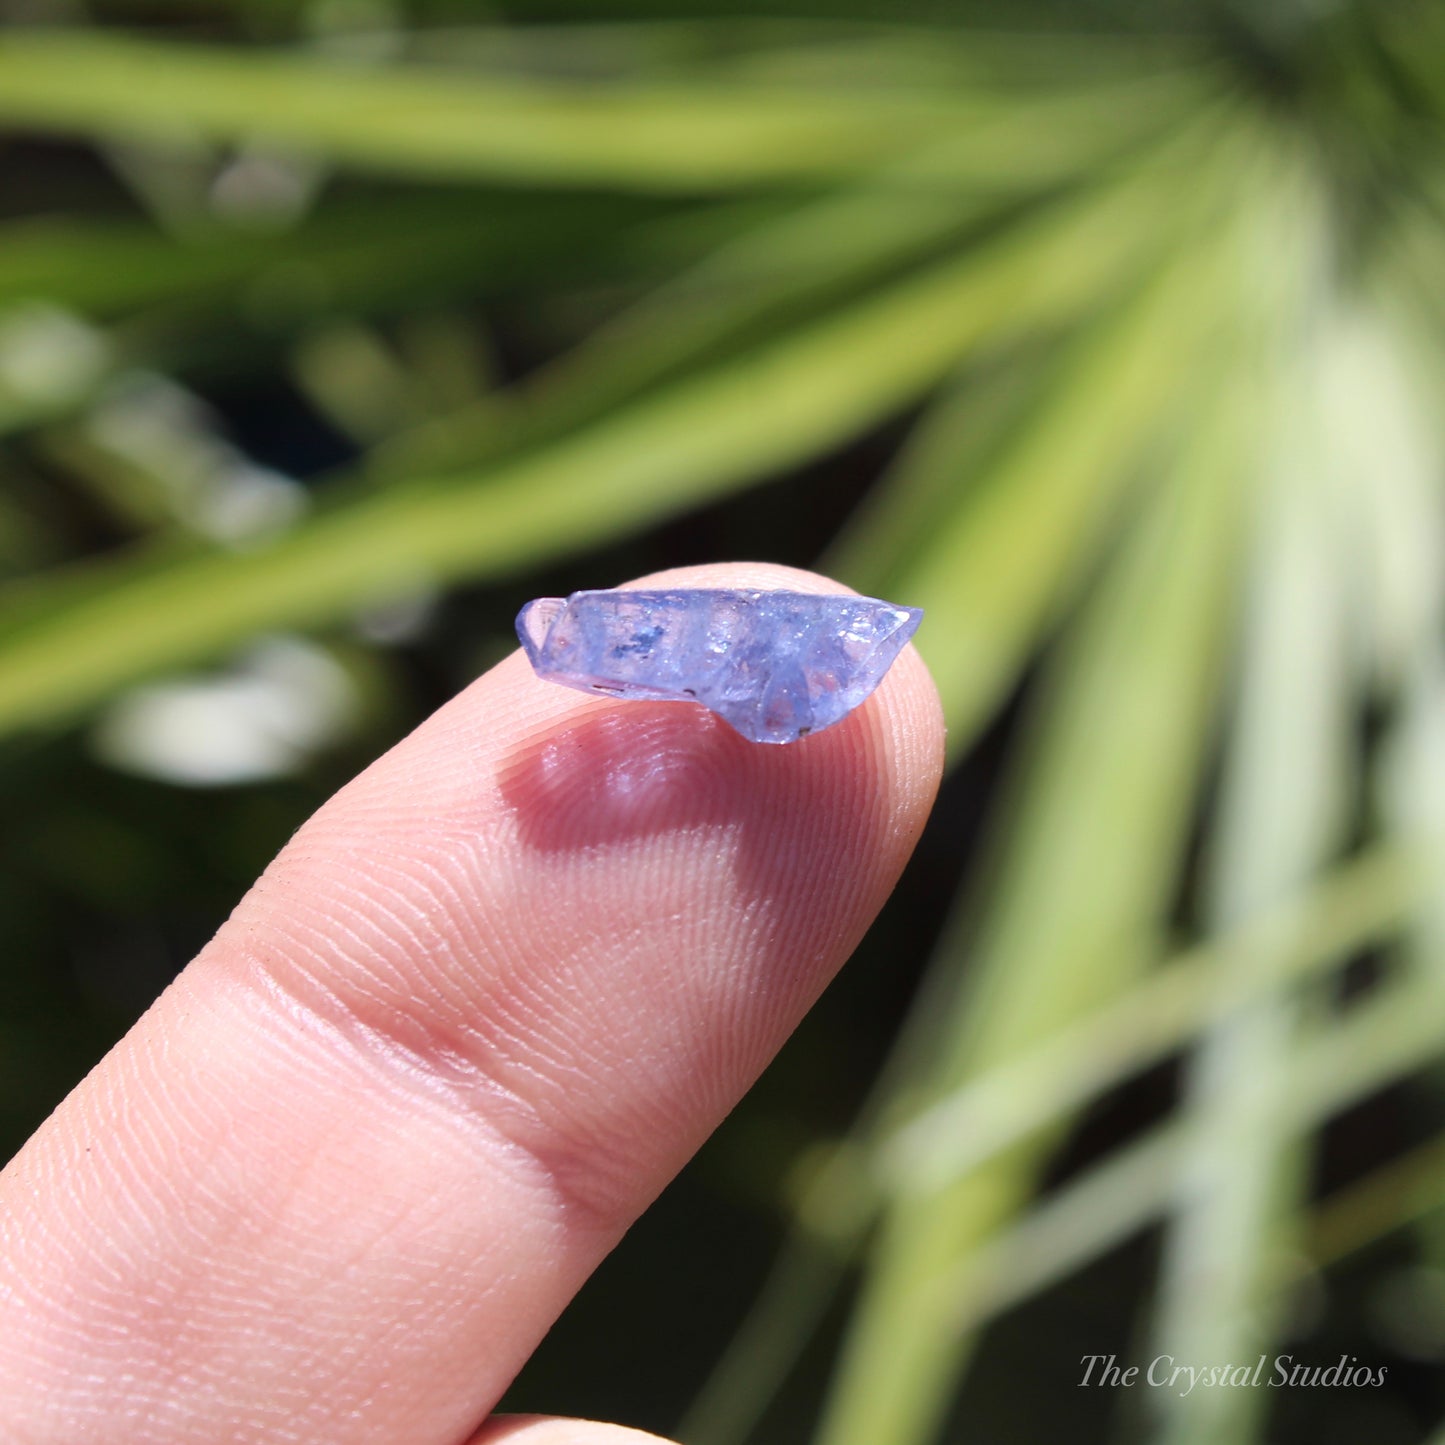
339,1181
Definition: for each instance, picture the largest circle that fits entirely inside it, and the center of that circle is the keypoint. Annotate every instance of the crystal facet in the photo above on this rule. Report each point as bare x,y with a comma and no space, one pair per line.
776,665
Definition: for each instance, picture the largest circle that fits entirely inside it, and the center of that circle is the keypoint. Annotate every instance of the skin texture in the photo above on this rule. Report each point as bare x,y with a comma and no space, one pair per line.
339,1180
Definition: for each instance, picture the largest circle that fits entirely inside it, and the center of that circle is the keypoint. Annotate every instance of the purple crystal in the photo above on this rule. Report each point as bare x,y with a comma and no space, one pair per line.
776,665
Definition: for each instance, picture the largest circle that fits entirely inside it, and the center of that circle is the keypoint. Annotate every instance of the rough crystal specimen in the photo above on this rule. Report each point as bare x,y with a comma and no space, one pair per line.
776,665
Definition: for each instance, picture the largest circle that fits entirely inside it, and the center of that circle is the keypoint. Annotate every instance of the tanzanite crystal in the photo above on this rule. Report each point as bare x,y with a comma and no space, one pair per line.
776,665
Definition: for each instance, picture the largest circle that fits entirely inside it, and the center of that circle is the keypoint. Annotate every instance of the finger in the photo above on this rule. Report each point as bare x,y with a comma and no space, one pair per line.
340,1179
550,1430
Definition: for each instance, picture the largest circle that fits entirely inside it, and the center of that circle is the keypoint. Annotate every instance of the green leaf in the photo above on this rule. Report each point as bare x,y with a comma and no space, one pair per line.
689,131
993,516
1118,758
1242,1174
1360,904
773,278
65,643
436,121
998,564
1126,1191
959,437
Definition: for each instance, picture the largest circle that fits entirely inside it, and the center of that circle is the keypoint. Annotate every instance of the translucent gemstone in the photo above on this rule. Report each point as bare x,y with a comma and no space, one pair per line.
776,665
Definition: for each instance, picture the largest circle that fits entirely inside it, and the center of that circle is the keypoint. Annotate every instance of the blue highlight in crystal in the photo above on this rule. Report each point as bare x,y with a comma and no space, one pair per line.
775,665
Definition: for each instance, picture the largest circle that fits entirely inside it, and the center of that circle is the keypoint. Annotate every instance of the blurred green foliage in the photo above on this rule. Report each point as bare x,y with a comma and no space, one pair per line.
1110,335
